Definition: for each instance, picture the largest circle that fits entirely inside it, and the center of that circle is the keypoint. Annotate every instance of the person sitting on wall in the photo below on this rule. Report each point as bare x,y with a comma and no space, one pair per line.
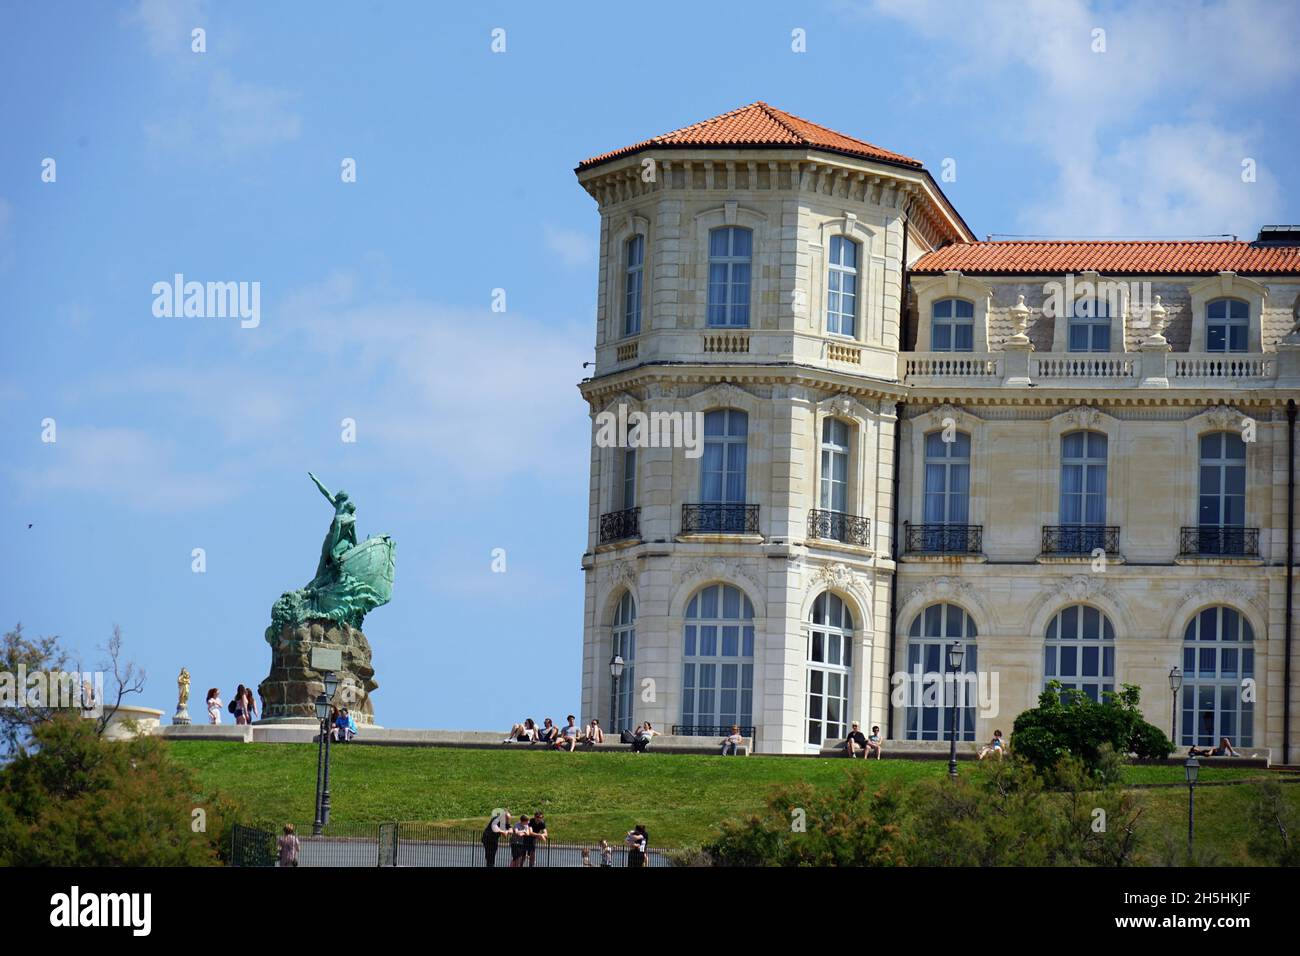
548,732
732,741
875,744
1225,749
856,742
568,738
524,733
993,746
345,727
641,739
593,734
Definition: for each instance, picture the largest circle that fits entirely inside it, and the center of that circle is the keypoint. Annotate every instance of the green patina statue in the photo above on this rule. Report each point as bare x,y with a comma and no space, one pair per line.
351,579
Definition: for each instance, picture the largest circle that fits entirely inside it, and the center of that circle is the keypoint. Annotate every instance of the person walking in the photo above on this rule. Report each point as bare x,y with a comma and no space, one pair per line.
496,828
289,847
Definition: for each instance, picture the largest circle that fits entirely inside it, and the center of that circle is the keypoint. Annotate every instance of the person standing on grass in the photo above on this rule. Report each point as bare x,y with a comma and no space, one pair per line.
496,828
637,841
289,847
519,835
214,706
536,831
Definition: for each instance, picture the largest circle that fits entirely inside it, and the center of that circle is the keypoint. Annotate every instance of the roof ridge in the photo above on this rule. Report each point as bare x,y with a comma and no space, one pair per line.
778,116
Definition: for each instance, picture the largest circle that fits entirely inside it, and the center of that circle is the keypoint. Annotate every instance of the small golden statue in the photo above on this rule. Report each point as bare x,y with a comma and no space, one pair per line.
182,715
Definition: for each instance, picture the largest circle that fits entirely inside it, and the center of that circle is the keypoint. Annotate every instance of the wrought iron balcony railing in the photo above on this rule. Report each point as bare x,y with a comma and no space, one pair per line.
1211,541
719,519
620,525
838,526
1080,538
943,538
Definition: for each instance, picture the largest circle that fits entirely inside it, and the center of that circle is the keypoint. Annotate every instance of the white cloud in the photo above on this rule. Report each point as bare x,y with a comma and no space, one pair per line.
572,247
1193,66
249,117
123,466
167,24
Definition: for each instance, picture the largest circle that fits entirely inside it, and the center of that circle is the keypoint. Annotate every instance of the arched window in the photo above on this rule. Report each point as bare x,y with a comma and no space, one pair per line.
830,662
718,661
1227,322
620,707
723,467
952,327
1080,651
730,254
1089,325
1218,658
1083,479
930,694
842,287
835,465
633,266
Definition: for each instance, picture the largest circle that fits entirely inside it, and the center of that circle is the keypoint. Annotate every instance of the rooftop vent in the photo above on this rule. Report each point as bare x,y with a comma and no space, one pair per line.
1283,235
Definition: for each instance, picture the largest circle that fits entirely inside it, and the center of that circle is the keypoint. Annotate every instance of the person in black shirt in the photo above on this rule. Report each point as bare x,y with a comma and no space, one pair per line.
498,826
856,742
538,831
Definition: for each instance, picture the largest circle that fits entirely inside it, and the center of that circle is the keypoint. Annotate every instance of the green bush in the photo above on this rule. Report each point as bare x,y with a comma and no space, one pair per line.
80,800
1069,723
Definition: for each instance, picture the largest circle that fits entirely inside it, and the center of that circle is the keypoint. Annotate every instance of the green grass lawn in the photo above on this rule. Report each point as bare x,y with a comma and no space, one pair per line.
586,796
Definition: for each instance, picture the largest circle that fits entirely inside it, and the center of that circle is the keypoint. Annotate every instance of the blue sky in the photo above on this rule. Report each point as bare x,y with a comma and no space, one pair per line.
183,433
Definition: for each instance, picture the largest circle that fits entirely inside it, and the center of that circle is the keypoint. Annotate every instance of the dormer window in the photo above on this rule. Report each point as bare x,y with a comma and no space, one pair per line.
842,287
1090,326
1227,322
953,326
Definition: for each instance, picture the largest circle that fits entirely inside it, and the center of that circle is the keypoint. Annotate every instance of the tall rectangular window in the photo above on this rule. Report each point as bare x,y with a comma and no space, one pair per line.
842,287
947,479
835,465
629,479
1083,478
633,275
952,326
1090,326
722,474
730,257
1226,324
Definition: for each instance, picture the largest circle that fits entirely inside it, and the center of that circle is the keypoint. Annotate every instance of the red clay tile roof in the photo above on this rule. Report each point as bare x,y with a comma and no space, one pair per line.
758,125
1132,258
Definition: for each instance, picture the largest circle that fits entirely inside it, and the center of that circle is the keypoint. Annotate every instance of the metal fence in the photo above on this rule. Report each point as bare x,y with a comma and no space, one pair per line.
412,844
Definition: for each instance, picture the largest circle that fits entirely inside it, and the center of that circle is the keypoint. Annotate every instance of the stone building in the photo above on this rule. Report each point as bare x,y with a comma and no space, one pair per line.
1070,458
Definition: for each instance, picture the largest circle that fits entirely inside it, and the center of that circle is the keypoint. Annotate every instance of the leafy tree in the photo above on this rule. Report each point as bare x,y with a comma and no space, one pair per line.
81,800
852,825
1068,723
17,718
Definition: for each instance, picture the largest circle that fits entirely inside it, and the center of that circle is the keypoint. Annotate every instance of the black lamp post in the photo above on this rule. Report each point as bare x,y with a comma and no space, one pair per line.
1175,684
956,655
1192,768
616,672
323,715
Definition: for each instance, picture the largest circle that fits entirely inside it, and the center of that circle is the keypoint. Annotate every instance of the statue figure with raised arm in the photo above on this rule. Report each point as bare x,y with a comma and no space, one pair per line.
352,579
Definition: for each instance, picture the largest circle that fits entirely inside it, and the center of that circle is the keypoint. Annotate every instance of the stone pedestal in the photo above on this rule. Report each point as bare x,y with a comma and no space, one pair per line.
290,689
182,716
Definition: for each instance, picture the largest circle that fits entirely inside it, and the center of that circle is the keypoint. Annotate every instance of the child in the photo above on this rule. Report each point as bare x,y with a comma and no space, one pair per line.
288,847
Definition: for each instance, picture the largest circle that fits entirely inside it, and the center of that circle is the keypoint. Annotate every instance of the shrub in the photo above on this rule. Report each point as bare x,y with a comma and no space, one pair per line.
1069,723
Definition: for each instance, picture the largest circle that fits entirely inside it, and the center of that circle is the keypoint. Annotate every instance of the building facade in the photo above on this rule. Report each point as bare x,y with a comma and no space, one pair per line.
866,436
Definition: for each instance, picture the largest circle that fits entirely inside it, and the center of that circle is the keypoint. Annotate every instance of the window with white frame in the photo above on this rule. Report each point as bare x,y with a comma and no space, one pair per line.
830,664
723,466
1218,659
629,478
952,327
730,258
633,277
931,691
1083,478
835,465
947,478
1227,322
1223,481
625,647
1089,328
718,659
1080,651
842,287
